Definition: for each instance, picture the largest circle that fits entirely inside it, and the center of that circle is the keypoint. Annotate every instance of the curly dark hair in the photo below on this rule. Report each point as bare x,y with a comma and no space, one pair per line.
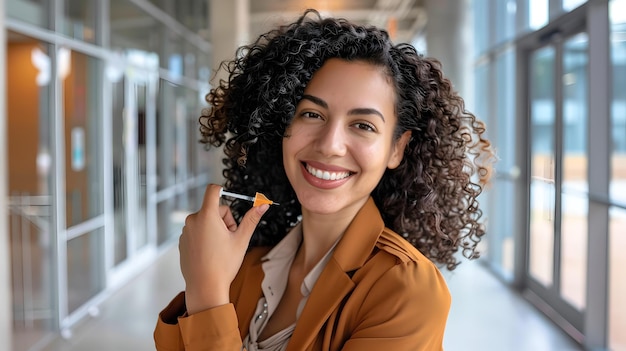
430,198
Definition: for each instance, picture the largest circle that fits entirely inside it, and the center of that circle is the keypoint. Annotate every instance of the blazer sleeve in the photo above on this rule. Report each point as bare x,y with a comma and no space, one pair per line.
406,309
213,329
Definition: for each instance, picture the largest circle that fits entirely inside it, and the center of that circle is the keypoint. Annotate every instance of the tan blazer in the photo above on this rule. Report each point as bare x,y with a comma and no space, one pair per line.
377,292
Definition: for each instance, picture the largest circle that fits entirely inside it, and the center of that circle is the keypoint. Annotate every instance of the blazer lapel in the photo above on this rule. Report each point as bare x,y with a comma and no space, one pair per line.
249,294
334,283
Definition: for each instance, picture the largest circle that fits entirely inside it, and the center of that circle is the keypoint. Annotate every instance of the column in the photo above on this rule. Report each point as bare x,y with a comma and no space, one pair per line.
448,39
230,22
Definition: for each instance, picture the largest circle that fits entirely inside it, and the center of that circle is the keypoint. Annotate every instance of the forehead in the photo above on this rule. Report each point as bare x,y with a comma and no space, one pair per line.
351,79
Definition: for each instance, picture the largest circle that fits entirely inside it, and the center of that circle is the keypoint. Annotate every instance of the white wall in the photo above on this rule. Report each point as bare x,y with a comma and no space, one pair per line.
5,280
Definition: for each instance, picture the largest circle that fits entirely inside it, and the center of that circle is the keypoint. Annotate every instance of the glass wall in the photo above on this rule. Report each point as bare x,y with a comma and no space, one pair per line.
83,138
542,166
505,20
79,19
534,89
85,274
503,123
31,221
34,12
495,91
569,5
538,12
481,28
104,160
574,188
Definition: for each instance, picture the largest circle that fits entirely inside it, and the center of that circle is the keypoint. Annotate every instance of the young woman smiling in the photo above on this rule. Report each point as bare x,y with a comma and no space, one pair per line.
372,157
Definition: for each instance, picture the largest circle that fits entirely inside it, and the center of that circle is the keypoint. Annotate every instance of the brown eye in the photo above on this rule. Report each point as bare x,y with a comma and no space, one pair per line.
365,126
310,115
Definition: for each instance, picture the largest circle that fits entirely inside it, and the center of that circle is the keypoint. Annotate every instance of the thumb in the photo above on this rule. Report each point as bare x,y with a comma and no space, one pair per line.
250,221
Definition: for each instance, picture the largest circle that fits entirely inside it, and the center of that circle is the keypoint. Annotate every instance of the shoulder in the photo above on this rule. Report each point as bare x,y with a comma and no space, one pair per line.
398,267
393,244
399,282
402,253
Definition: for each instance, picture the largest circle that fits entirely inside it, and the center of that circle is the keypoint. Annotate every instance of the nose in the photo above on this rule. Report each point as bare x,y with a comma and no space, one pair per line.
331,140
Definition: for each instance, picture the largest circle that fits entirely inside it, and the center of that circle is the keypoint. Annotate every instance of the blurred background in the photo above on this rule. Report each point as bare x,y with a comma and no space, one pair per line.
100,161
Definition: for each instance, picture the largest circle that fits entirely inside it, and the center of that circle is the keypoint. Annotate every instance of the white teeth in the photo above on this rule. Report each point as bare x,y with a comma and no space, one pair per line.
326,175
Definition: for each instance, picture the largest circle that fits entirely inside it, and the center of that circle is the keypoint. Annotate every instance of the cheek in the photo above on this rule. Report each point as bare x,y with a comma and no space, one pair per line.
286,147
297,137
291,145
372,155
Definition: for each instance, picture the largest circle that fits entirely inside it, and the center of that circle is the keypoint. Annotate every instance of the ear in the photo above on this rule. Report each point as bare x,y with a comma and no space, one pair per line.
398,150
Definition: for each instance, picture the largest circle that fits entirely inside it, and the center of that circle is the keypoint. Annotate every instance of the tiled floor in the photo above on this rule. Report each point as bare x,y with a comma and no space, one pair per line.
485,315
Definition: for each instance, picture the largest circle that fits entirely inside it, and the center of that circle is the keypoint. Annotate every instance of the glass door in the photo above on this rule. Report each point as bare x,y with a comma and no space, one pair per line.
132,145
134,167
557,240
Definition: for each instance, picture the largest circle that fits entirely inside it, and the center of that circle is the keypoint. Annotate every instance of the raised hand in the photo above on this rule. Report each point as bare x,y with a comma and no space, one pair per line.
212,247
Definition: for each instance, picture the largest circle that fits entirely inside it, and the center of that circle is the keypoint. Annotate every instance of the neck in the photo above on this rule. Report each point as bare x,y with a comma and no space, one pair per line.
320,232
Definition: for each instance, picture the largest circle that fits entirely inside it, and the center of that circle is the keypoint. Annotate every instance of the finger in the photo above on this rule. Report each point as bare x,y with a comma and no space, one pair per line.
227,217
211,196
249,222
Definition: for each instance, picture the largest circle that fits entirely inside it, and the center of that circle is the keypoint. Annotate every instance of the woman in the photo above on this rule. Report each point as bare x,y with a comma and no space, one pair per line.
372,157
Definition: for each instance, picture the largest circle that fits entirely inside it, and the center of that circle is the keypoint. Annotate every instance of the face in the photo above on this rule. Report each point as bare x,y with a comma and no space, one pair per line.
340,141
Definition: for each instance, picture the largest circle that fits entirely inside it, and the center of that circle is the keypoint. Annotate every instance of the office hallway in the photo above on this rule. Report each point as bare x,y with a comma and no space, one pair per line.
485,315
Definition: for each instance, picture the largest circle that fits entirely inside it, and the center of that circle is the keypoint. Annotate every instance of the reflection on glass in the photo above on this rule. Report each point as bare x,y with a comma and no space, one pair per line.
191,13
177,145
133,28
80,19
500,231
481,27
505,20
187,109
569,5
538,12
30,11
574,178
166,140
83,171
165,211
617,228
129,167
30,160
120,246
179,130
542,191
505,140
139,198
85,276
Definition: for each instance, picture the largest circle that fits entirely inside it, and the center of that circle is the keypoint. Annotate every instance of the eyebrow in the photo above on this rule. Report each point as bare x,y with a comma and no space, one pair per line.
355,111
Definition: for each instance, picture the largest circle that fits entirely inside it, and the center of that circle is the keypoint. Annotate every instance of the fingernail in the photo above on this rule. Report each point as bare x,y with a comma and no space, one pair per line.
262,209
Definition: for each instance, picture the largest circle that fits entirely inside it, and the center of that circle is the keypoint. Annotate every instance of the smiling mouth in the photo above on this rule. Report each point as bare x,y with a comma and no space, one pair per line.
326,175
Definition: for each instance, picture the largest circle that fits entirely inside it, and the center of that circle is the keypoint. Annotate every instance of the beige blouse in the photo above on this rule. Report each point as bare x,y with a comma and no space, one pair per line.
276,266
